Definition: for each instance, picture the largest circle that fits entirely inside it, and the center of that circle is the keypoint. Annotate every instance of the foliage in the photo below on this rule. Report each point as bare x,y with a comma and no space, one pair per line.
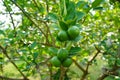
82,30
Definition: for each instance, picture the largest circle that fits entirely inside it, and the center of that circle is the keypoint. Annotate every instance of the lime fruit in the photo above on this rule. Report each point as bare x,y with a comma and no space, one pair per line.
55,61
67,62
62,35
62,54
73,32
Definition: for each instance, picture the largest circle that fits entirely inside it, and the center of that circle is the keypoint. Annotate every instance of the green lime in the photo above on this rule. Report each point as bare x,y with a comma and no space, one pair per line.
73,32
67,62
55,61
62,54
62,35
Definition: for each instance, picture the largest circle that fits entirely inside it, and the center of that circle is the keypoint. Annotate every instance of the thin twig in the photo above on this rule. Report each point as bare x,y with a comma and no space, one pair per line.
50,71
109,72
88,64
6,78
62,72
48,31
93,58
9,14
5,53
38,69
47,44
44,62
78,65
28,16
36,5
47,6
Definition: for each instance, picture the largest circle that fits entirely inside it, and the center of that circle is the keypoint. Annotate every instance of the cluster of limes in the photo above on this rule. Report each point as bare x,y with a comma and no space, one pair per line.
68,32
62,58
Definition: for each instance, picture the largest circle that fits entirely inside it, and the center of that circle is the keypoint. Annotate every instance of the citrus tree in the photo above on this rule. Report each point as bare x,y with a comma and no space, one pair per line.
51,37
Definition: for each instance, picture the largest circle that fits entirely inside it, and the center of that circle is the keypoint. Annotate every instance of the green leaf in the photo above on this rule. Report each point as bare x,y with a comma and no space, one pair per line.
98,8
71,7
69,45
80,15
7,4
33,45
71,22
70,11
54,26
11,35
24,51
63,25
53,17
42,9
67,2
80,4
2,32
78,38
52,51
35,55
96,3
118,62
74,50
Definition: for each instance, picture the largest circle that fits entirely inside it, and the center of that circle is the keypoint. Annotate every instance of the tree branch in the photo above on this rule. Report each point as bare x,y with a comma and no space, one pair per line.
78,65
9,14
6,78
47,6
48,32
89,63
5,53
108,72
36,5
28,16
62,72
45,61
50,71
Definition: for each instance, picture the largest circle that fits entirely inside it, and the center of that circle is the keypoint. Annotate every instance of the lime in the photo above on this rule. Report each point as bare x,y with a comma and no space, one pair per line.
67,62
55,61
73,32
62,54
62,35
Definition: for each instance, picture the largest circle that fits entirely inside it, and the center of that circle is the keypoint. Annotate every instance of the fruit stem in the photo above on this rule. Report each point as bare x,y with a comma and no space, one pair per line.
62,73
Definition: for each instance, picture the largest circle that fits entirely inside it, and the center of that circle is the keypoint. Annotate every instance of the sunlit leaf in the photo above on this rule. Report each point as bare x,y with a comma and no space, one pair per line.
53,17
80,15
96,3
98,8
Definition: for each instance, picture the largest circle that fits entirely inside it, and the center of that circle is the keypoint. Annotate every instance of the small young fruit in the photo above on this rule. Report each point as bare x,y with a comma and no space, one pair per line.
73,32
62,54
62,35
55,61
67,62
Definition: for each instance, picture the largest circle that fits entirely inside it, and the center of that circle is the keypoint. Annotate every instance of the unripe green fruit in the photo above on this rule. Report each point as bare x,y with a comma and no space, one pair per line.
62,35
62,54
55,61
67,62
73,32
